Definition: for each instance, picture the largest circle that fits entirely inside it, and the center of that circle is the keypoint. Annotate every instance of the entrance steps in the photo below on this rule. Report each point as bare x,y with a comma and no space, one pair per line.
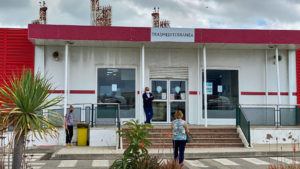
202,137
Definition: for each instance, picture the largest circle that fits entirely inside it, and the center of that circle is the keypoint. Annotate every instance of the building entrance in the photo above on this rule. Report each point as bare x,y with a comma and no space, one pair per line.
116,85
169,96
222,94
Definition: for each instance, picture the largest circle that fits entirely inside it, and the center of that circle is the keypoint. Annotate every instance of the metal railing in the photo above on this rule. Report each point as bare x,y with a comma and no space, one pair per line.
243,123
95,114
106,113
272,114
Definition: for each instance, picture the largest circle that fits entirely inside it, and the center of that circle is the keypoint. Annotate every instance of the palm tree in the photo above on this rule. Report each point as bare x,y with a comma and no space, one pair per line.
22,99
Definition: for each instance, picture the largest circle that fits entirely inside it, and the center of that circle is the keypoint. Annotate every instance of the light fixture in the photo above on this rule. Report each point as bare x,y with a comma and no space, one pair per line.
279,58
55,55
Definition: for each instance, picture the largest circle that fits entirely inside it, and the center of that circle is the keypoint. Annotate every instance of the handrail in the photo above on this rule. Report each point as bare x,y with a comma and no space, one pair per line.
243,123
269,105
118,118
118,115
278,108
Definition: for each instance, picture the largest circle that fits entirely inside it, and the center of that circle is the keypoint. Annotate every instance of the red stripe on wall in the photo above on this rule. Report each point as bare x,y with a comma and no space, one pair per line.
253,93
74,92
193,92
284,93
82,92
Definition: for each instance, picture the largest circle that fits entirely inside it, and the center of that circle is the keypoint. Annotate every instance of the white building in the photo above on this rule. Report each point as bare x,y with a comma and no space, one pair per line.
114,64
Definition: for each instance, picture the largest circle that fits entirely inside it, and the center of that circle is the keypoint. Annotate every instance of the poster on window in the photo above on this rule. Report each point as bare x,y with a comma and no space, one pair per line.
220,88
182,96
209,88
172,96
164,96
114,87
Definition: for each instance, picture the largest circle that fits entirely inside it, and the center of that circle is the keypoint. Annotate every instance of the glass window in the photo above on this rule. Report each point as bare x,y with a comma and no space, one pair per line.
159,111
178,90
222,93
159,90
117,86
177,106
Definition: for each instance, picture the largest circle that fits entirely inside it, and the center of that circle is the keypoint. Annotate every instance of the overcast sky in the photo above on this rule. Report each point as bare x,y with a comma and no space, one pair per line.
237,14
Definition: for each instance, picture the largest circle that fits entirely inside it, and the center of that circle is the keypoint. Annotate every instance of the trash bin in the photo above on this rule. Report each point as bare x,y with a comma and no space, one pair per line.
82,130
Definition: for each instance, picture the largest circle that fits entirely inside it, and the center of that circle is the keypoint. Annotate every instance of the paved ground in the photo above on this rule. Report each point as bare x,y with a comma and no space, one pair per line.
36,162
96,153
258,157
240,163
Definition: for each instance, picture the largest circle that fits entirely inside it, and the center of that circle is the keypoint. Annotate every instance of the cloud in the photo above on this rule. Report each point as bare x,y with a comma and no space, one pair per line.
236,14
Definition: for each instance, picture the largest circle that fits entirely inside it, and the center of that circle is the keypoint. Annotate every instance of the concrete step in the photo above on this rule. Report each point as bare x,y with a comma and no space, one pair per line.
195,140
200,130
194,145
200,135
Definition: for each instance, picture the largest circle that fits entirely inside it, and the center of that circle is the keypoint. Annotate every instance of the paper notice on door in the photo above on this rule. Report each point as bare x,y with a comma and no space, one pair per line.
172,97
182,96
114,87
164,96
220,88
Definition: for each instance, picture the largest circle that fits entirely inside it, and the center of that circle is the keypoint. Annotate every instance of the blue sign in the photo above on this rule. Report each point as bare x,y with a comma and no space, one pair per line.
209,88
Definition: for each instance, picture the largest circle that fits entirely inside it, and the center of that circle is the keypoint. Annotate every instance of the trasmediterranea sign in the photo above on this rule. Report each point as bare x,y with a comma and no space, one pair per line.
172,35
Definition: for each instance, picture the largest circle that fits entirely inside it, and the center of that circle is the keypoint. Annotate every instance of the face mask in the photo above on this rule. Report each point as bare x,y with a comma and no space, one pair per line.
147,92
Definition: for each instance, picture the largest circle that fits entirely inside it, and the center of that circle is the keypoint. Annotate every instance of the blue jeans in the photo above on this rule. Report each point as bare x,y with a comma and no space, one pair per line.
149,114
179,144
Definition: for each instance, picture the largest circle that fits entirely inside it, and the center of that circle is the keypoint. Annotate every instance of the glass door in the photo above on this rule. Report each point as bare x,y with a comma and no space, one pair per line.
169,96
160,93
177,97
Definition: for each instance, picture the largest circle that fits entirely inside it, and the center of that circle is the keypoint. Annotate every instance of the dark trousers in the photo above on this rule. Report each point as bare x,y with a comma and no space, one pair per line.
179,144
69,134
149,114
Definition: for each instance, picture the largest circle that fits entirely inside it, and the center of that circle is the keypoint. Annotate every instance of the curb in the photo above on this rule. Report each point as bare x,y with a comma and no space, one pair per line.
203,155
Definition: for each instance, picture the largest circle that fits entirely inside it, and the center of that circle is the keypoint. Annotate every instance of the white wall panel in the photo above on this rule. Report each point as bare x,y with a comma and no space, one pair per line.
250,63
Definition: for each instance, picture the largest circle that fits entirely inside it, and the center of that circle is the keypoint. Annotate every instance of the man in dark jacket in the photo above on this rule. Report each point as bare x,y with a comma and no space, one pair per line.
147,99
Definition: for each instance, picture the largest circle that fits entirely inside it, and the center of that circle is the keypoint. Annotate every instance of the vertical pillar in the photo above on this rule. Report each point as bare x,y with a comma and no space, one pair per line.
142,118
266,77
66,77
198,86
205,89
292,76
39,60
278,77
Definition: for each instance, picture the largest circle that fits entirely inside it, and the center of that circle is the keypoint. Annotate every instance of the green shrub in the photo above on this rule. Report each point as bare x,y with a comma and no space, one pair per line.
149,162
137,150
137,136
136,155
